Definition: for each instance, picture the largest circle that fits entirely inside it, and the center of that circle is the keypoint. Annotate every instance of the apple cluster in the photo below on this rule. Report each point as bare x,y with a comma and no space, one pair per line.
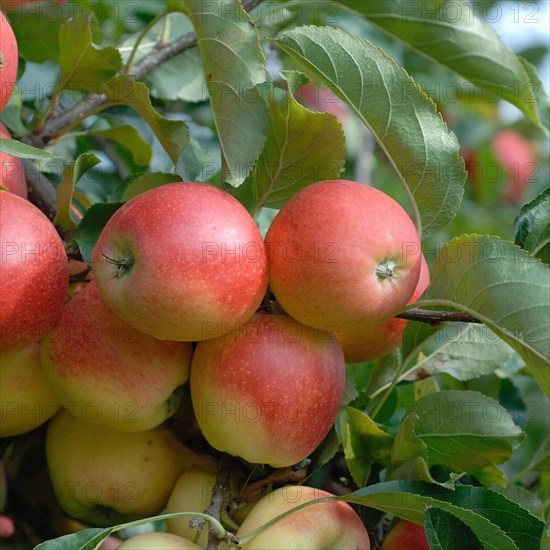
179,299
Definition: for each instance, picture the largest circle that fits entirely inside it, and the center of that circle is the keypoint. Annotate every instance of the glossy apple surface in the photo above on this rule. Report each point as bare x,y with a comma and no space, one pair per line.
108,372
33,273
269,392
342,254
26,399
9,61
331,524
105,477
406,534
183,262
12,172
158,541
379,340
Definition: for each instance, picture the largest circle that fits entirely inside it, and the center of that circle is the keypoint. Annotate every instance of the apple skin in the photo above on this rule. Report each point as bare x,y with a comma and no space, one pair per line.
26,399
270,392
406,535
379,340
108,372
332,524
326,248
105,477
33,273
9,61
12,172
321,99
160,541
196,263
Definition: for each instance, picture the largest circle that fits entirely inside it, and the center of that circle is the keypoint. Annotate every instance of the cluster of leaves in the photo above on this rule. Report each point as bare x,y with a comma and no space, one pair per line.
426,430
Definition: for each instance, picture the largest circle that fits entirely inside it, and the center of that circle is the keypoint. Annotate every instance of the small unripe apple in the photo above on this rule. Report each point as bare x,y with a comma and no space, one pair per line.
158,541
330,524
269,392
105,477
26,399
379,340
342,255
33,273
12,172
108,372
182,262
406,534
9,61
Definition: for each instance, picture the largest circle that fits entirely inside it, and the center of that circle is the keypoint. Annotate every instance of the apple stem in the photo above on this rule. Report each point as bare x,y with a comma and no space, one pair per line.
123,265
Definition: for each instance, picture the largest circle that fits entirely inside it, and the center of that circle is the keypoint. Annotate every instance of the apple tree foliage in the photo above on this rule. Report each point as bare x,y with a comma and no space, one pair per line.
115,98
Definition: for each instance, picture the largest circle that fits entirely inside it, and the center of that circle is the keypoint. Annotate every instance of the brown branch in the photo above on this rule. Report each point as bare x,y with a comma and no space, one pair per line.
436,317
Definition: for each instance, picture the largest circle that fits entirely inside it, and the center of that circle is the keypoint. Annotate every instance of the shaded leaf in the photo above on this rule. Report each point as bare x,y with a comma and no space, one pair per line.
445,531
193,163
532,227
401,117
87,539
129,138
24,151
148,181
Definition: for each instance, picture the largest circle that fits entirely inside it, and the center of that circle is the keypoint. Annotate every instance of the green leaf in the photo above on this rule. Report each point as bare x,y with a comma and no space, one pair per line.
87,539
83,66
193,163
465,429
501,285
445,531
129,138
447,31
233,64
64,192
172,134
91,226
302,147
363,442
24,151
532,227
401,117
490,476
148,181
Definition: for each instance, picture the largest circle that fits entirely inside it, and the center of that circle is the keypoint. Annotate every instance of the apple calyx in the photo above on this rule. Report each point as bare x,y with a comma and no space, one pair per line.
174,400
123,265
386,269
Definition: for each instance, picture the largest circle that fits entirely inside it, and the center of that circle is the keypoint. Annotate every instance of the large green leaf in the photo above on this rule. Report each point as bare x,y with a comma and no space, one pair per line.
129,138
172,134
24,151
448,32
401,117
465,429
445,531
501,285
532,227
233,64
83,66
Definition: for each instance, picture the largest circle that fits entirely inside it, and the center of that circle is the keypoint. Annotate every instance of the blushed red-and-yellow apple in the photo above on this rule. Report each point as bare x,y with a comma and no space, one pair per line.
406,534
33,273
12,172
9,61
104,476
379,340
330,524
270,391
159,541
108,372
26,399
342,254
183,262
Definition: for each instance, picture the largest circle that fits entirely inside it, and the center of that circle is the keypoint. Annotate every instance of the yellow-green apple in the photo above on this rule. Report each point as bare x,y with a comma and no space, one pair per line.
26,399
109,373
342,254
159,541
104,476
12,172
328,524
270,391
183,262
9,61
406,535
33,273
379,340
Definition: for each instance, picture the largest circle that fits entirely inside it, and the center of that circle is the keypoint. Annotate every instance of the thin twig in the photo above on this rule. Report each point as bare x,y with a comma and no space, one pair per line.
437,317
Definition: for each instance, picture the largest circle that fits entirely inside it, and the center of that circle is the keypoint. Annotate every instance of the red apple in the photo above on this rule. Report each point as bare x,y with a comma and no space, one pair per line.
330,524
12,172
184,262
379,340
406,535
33,273
9,61
342,255
269,392
107,372
321,99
